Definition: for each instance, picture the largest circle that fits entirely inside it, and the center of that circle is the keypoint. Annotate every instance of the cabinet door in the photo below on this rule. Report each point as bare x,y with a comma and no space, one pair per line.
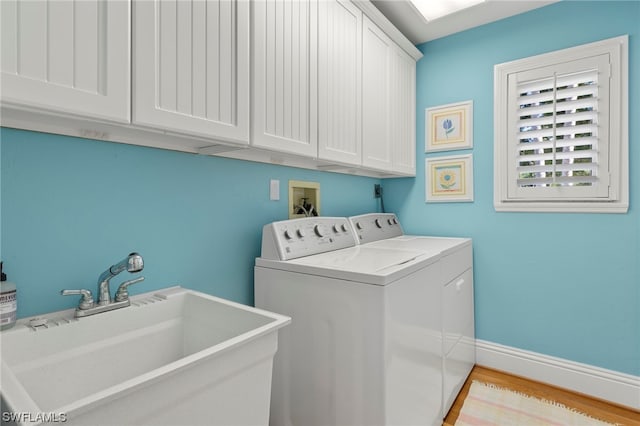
69,57
285,76
403,112
339,82
377,49
191,67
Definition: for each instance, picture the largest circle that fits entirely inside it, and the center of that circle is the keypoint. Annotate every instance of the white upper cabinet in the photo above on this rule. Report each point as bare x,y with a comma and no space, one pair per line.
377,51
191,67
403,112
68,57
339,82
331,82
285,76
389,104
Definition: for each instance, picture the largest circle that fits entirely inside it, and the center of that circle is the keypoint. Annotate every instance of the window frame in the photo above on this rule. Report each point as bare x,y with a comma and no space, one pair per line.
617,168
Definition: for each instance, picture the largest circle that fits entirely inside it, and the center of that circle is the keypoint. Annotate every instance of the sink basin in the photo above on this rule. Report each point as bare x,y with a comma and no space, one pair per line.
175,356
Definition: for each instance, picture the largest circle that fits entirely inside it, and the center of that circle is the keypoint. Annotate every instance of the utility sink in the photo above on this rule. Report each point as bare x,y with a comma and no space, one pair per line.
175,356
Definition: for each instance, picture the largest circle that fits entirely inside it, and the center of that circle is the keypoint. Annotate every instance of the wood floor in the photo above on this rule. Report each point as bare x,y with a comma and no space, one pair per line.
593,407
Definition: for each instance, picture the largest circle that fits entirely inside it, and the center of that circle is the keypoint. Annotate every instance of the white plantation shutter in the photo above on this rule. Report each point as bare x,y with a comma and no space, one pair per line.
559,135
561,129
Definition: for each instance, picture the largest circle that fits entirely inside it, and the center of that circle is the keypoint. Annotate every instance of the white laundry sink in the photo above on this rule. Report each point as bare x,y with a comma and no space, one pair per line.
175,356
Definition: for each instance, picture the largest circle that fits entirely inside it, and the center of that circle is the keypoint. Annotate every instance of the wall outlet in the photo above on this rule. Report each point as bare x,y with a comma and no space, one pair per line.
377,190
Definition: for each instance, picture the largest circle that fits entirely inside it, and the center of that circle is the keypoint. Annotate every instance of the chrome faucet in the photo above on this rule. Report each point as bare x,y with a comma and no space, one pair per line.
87,306
132,263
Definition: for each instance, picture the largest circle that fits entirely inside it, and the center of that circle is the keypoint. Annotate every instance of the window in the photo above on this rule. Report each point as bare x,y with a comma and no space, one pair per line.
561,130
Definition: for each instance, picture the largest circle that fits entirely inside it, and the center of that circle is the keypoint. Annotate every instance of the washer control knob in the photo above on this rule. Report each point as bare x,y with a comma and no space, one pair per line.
359,225
378,223
390,221
344,227
336,228
288,235
300,233
319,230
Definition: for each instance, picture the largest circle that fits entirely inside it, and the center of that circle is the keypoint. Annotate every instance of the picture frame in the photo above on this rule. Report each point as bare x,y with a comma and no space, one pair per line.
449,179
449,127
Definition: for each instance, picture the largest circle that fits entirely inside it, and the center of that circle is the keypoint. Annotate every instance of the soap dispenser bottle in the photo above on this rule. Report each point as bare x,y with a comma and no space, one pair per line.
8,302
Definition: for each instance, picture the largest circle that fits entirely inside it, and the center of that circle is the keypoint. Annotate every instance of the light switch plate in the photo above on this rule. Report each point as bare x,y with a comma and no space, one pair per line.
274,190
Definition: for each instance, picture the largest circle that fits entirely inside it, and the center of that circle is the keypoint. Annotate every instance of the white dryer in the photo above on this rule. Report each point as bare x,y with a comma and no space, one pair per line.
383,230
364,345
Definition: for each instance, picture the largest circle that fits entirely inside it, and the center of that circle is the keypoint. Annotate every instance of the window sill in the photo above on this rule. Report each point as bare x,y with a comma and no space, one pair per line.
561,207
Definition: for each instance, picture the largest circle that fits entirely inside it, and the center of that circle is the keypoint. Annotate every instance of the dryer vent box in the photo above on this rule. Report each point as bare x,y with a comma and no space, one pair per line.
304,199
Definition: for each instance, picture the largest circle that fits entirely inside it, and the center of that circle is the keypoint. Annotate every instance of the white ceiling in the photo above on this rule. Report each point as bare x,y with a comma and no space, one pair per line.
411,23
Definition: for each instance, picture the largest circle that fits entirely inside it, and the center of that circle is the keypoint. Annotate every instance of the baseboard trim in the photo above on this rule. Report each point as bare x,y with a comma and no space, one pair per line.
618,388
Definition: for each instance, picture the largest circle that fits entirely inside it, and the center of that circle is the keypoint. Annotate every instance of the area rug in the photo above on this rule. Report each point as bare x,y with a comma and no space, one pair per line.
487,405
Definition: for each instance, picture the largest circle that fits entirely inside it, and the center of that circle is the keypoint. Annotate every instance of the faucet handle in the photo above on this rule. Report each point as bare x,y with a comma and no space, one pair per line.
87,298
122,293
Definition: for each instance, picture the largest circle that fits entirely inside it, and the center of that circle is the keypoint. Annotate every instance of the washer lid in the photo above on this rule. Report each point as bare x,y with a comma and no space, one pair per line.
371,265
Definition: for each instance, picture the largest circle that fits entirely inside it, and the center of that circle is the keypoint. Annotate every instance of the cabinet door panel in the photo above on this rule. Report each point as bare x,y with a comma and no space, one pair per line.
285,75
61,66
32,52
376,97
403,112
88,17
339,82
69,57
191,68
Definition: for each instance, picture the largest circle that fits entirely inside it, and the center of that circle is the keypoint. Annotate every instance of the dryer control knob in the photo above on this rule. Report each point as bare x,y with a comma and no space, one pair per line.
288,235
300,233
319,230
378,223
344,228
359,225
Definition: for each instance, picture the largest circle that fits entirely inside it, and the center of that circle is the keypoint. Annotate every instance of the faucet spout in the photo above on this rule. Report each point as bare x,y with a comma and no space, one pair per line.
132,263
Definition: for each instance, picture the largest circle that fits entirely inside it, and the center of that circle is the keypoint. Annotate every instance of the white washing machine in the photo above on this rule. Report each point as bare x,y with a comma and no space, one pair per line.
383,230
364,344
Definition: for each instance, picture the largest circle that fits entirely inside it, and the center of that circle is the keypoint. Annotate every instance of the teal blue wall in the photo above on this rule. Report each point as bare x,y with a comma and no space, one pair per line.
565,285
71,207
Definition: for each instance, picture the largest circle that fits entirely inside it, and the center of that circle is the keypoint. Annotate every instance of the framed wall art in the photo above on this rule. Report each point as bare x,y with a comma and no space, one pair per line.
449,127
449,179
